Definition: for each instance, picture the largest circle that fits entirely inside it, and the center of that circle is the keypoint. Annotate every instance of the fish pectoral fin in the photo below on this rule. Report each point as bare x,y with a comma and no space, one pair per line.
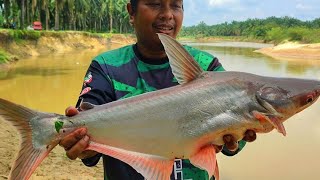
184,67
149,166
86,106
276,123
206,159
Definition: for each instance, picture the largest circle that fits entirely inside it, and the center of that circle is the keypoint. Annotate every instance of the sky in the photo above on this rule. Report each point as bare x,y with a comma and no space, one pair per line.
219,11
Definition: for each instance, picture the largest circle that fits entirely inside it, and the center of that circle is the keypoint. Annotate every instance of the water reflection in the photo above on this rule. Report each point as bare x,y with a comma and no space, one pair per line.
245,59
32,71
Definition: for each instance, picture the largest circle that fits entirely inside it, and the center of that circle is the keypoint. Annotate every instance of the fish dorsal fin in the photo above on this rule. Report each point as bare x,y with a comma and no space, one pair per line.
86,106
183,65
149,166
206,159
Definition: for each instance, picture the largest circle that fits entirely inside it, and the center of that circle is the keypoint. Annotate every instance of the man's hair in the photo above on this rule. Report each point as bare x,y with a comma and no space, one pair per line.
134,4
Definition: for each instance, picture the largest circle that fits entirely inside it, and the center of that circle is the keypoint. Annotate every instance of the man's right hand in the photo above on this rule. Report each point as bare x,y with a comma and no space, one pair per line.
75,143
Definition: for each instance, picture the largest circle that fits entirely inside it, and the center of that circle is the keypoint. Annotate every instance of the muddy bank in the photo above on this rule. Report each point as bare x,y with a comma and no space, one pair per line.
293,51
57,42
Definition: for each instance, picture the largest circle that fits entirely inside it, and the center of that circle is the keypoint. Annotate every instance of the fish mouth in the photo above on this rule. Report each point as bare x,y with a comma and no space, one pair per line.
274,118
267,106
164,28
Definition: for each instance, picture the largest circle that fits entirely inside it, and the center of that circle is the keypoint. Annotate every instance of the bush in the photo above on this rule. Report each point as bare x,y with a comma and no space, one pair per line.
1,21
300,34
276,35
297,34
4,57
24,35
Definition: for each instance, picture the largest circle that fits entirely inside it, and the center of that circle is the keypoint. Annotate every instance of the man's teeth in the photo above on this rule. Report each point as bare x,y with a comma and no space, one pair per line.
165,28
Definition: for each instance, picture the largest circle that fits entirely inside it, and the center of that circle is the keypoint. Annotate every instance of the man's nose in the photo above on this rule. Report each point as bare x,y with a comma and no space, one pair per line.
166,13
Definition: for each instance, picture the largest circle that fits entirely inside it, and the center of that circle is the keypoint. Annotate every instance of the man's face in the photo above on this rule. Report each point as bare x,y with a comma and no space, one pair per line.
157,16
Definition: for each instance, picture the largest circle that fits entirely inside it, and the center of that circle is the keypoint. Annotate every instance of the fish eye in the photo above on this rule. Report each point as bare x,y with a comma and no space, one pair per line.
309,99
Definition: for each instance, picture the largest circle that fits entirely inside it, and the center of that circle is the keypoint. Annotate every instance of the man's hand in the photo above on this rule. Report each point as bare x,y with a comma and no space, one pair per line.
76,142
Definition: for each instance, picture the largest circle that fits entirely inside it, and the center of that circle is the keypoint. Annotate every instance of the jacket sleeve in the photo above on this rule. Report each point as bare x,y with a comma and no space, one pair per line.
215,65
97,89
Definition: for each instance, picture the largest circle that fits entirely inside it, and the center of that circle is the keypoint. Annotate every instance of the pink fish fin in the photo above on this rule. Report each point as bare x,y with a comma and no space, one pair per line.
276,123
149,166
206,159
30,155
27,161
184,67
216,172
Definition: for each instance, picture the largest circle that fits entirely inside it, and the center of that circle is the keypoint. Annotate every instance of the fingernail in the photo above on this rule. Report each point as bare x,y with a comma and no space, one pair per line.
83,132
86,138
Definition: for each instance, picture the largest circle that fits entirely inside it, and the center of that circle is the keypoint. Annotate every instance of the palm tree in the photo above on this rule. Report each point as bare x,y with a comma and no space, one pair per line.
58,6
123,16
70,6
111,11
21,5
45,7
7,5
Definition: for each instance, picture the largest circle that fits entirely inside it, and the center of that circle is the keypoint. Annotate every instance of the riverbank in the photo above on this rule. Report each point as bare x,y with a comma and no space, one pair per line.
16,44
284,51
293,51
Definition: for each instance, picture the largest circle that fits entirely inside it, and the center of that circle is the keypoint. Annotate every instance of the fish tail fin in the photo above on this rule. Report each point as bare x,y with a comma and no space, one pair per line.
29,156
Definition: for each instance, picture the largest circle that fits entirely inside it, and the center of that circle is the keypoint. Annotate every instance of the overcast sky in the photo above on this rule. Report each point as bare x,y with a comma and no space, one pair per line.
219,11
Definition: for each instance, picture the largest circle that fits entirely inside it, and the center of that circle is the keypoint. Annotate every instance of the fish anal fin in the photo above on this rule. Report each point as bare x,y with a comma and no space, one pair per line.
206,159
184,67
276,123
151,167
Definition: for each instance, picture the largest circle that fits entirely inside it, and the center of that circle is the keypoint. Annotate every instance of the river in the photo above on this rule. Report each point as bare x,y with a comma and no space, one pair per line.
51,83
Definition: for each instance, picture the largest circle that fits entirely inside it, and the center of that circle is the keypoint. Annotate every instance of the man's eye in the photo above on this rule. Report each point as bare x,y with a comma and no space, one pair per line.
177,6
153,4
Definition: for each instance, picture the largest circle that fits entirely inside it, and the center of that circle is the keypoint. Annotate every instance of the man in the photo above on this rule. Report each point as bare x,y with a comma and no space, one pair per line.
136,69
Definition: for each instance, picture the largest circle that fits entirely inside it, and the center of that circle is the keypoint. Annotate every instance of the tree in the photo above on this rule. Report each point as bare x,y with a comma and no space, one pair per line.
58,6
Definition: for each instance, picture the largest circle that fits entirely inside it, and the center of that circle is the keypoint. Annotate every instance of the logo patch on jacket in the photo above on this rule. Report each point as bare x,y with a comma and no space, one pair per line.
87,79
85,91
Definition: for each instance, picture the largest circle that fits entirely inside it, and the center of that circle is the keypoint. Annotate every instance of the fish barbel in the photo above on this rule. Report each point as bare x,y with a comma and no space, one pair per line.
150,130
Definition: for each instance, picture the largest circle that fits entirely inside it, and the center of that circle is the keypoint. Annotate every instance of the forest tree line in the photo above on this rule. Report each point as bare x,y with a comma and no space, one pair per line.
111,16
79,15
276,29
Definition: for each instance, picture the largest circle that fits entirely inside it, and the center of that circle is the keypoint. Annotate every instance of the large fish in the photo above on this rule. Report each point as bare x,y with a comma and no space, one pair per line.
149,131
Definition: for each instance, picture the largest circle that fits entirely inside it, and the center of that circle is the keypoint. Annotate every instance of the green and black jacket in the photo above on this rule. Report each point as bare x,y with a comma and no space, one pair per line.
123,73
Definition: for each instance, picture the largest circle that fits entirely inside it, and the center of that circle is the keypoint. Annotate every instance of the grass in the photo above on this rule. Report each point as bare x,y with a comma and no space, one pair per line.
4,57
18,35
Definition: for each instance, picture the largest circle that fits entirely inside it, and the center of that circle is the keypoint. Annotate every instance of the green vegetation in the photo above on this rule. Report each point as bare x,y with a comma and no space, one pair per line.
1,19
4,57
24,35
18,35
97,16
76,15
272,29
